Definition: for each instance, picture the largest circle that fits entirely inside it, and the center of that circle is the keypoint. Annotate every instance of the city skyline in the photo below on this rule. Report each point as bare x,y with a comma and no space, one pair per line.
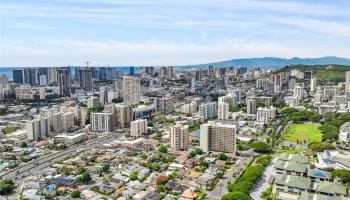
59,33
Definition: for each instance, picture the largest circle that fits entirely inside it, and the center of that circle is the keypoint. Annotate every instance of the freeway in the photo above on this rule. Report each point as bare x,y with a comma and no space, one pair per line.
45,161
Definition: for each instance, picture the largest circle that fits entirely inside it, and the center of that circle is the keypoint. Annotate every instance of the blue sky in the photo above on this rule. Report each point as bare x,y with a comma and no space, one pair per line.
169,32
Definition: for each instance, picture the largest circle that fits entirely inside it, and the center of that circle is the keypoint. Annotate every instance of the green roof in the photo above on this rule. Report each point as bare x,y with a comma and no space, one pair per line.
309,196
299,158
293,181
331,188
290,166
317,173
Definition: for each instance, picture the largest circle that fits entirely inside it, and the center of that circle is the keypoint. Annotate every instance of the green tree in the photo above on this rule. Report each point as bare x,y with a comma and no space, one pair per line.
321,146
65,170
105,168
261,147
80,170
162,149
133,176
222,156
84,178
235,196
75,194
6,187
342,174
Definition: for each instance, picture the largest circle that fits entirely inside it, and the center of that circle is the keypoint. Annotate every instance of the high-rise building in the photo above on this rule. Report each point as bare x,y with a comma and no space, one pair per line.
166,72
64,81
189,108
131,90
104,95
347,81
138,127
122,114
37,128
42,92
218,137
307,75
85,78
223,110
164,104
52,75
92,102
299,92
101,122
251,106
179,137
313,84
208,110
265,115
18,76
131,71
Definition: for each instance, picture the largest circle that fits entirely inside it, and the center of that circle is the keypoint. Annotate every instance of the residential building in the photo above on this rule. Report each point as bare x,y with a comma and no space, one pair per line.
218,137
101,122
179,136
223,110
138,127
131,90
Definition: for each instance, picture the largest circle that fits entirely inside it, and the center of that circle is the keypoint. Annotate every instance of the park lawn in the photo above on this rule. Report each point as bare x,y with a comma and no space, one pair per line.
302,133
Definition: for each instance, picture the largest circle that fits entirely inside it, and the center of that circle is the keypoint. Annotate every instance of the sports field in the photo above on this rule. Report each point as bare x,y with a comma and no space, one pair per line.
302,133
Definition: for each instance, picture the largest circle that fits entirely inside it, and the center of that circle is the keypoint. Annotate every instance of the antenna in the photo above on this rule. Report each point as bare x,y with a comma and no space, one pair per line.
87,63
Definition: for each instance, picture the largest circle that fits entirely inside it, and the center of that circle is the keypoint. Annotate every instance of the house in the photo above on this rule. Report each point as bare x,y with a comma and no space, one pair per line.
290,168
317,175
151,196
299,158
205,180
143,173
310,196
190,163
291,184
331,189
62,182
188,194
119,178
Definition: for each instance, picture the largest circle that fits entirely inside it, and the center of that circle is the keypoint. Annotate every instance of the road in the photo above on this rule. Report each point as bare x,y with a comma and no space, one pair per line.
221,187
45,161
262,184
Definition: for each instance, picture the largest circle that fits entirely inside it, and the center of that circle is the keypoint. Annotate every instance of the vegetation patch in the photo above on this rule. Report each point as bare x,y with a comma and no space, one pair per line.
302,133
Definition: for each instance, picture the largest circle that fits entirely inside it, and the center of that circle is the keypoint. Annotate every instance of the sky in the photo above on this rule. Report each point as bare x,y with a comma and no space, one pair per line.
168,32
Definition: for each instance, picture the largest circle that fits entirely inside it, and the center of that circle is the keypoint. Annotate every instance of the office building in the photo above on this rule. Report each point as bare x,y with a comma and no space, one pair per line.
64,81
101,122
179,136
164,104
42,92
18,76
131,90
223,110
218,137
138,127
85,78
104,95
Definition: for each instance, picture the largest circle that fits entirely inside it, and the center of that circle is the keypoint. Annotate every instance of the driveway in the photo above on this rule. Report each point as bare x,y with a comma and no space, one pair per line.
262,184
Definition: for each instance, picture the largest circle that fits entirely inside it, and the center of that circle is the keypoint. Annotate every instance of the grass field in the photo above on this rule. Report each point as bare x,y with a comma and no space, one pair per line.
302,133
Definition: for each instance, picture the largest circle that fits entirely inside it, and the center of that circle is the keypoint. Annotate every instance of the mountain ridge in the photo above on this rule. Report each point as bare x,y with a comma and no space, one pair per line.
276,62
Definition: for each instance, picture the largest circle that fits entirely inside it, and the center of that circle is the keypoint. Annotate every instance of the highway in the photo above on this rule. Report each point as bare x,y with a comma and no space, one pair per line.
42,162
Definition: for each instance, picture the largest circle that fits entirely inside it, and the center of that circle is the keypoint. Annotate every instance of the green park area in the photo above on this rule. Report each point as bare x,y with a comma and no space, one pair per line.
302,133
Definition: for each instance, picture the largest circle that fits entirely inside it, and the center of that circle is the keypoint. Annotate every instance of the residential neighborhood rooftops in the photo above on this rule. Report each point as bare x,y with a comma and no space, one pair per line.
293,181
316,173
331,188
310,196
300,158
291,166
